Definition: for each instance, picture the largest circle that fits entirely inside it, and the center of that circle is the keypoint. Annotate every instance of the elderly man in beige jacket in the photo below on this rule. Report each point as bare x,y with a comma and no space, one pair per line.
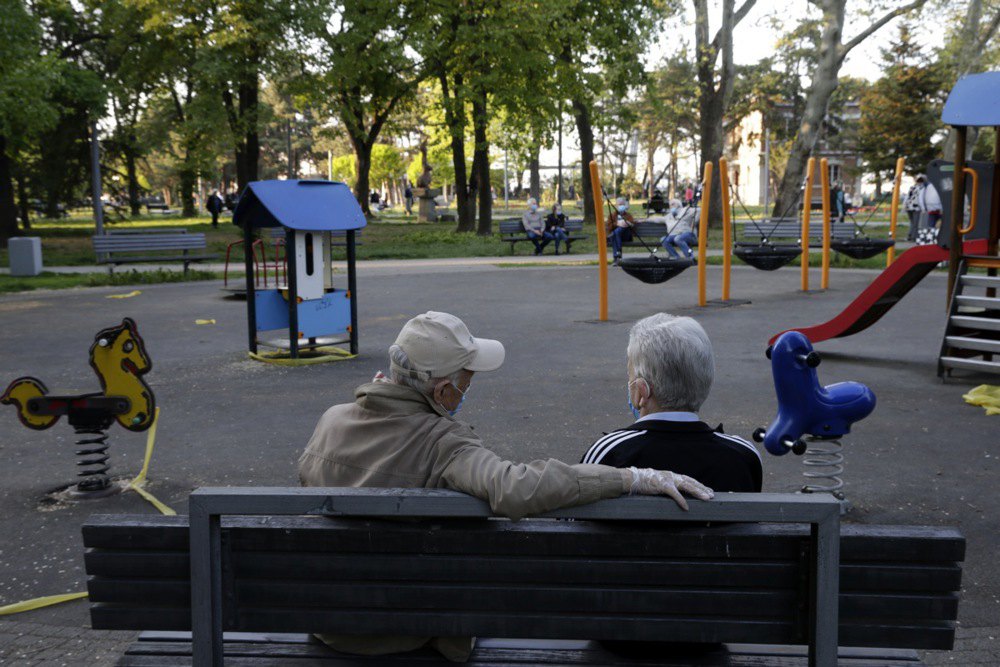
401,432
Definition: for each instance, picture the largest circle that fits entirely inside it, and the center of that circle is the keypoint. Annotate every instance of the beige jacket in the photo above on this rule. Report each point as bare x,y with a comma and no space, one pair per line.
395,437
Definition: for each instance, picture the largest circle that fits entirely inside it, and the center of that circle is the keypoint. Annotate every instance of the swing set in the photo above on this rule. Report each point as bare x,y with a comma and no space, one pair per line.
765,255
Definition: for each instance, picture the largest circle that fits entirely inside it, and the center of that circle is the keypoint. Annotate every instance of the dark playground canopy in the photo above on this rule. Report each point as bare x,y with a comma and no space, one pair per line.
297,204
974,101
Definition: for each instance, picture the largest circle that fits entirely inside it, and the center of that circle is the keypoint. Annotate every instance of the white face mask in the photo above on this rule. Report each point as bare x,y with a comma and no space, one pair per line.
558,211
622,208
533,208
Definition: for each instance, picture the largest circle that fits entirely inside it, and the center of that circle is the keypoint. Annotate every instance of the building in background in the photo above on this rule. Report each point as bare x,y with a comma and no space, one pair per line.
750,152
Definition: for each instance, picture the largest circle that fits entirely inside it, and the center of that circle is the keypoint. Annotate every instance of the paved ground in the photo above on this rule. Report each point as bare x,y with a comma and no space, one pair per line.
923,457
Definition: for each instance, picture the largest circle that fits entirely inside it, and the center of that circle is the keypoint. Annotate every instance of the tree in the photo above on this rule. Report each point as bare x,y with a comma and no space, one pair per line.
26,81
964,53
900,113
714,99
363,72
591,61
666,114
832,52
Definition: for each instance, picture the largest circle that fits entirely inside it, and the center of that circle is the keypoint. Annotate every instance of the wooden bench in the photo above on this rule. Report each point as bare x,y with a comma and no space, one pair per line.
790,229
275,560
121,248
650,232
160,208
512,232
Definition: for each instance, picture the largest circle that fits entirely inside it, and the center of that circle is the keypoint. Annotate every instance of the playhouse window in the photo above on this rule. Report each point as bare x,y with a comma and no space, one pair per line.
309,254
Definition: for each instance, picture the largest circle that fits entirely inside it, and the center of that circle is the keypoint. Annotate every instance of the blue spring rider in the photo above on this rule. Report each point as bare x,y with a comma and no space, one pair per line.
808,409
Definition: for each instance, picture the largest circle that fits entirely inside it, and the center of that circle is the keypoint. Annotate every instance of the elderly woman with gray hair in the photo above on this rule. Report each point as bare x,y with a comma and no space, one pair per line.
670,369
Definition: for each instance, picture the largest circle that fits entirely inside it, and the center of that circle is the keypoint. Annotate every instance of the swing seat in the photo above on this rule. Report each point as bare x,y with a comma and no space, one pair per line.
653,269
766,256
862,248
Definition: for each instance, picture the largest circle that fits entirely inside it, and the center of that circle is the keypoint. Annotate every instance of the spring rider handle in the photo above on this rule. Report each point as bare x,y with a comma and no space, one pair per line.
804,406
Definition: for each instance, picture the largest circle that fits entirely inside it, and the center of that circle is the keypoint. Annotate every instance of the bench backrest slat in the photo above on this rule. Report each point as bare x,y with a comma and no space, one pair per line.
513,226
151,242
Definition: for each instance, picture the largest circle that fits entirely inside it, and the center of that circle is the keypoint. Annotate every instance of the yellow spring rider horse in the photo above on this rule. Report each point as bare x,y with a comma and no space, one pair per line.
118,357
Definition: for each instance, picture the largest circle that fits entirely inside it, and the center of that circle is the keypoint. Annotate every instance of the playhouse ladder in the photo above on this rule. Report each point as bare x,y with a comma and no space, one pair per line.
972,337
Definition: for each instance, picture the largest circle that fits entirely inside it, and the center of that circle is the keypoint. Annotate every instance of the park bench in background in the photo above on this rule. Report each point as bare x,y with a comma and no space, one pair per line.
512,232
611,574
160,208
789,230
649,231
128,247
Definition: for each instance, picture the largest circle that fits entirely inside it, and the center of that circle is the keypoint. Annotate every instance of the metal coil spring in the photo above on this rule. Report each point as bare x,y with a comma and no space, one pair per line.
828,454
94,457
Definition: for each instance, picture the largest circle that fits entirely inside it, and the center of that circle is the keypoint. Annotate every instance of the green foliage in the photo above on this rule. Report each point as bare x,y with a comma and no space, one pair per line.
344,169
49,280
900,112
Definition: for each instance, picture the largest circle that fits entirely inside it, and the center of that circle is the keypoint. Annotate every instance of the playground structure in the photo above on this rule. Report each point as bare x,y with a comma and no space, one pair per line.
821,415
314,313
118,357
972,335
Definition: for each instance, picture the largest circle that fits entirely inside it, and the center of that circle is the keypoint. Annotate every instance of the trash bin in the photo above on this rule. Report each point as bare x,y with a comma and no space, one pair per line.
25,253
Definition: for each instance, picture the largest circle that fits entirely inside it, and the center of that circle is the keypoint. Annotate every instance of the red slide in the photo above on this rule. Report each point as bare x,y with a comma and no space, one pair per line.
889,287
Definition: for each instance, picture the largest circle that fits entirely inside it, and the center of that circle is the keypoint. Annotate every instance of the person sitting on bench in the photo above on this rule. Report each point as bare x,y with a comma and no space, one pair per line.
401,431
619,227
555,225
670,370
680,225
534,226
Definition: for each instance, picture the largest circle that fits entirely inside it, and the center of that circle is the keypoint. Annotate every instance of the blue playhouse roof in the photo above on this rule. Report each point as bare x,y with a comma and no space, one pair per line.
306,205
974,101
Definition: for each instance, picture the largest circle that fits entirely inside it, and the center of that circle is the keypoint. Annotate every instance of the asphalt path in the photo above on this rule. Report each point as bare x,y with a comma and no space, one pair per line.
923,457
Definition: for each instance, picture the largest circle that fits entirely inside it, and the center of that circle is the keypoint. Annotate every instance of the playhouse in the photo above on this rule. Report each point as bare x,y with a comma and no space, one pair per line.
309,305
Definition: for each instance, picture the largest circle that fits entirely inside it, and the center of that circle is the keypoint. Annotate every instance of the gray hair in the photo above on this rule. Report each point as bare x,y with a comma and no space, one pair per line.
398,357
621,200
674,355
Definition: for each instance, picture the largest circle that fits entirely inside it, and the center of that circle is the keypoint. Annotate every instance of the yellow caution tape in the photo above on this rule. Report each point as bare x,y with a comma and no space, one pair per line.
986,396
318,355
140,479
204,321
124,296
38,603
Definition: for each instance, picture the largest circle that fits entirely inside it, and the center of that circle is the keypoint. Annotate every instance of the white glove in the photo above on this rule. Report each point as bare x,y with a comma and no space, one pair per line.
650,482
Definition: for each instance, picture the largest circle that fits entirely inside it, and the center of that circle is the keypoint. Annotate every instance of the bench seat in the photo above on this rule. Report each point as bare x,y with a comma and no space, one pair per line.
173,649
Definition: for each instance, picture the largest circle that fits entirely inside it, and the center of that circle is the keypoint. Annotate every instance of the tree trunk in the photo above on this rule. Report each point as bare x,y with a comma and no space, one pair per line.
188,179
534,176
8,211
132,177
824,82
22,200
713,101
585,130
972,38
363,168
454,115
481,163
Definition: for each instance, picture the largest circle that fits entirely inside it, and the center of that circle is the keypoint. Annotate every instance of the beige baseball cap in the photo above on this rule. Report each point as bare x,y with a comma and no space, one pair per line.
439,344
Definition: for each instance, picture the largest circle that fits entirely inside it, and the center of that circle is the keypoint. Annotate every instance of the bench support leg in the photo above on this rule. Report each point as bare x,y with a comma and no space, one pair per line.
824,597
206,587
